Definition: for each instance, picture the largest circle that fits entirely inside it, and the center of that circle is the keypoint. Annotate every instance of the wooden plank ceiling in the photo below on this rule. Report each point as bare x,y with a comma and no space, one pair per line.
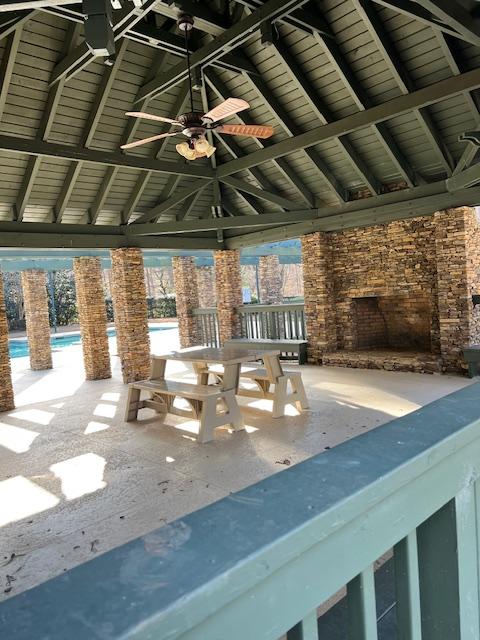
368,99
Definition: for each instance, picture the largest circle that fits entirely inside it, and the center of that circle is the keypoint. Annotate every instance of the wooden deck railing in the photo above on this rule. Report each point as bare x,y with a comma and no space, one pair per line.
274,321
259,563
207,326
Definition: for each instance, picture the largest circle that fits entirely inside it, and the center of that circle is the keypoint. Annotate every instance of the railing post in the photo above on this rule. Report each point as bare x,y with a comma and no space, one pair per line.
407,589
362,610
438,571
306,629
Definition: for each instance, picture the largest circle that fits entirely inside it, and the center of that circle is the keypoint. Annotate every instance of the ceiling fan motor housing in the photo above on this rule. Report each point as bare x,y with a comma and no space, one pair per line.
192,124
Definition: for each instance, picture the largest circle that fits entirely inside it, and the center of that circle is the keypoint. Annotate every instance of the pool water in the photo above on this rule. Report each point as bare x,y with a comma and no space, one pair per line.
18,348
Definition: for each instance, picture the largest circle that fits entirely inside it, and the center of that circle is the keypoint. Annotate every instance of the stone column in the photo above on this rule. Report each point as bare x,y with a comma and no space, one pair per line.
229,293
129,299
35,300
207,297
454,295
186,295
319,296
6,389
270,280
93,317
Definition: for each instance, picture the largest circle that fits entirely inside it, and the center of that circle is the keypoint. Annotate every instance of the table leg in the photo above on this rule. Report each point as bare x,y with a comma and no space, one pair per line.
231,377
157,370
201,370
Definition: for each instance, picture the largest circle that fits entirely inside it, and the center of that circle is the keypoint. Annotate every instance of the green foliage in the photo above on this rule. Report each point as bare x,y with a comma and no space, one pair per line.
65,302
156,308
14,301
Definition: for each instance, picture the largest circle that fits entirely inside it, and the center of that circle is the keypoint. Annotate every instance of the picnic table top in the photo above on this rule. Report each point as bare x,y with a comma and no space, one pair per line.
227,355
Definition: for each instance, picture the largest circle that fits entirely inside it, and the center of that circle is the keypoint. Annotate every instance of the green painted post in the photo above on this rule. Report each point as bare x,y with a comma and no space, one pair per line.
407,589
362,608
307,629
438,572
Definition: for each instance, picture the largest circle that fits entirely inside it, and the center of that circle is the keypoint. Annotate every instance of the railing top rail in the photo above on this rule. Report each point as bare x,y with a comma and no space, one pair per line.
255,308
200,568
205,311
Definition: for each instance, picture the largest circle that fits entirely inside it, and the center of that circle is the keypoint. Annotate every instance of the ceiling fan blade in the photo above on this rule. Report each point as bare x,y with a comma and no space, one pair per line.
227,108
150,116
137,143
252,130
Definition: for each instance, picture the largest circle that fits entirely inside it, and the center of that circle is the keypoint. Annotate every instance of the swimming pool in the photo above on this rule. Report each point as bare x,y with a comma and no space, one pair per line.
18,347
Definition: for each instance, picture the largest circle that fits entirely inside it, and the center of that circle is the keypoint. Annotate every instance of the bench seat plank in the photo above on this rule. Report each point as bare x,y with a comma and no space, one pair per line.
176,388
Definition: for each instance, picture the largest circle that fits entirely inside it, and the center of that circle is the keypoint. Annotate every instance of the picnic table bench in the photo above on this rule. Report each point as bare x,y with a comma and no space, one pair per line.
203,399
280,344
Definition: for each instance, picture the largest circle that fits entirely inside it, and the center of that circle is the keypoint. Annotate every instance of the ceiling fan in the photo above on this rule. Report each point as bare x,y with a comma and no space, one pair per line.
194,125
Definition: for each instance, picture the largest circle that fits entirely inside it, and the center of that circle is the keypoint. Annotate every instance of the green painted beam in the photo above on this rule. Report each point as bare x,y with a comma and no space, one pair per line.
386,209
180,196
109,241
466,178
229,39
374,115
10,23
105,158
456,16
242,185
209,224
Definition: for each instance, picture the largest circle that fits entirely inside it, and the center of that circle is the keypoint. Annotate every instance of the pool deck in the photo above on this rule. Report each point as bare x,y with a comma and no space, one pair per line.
76,480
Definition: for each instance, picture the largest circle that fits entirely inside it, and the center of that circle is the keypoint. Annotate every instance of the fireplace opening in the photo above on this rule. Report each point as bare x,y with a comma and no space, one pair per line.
400,323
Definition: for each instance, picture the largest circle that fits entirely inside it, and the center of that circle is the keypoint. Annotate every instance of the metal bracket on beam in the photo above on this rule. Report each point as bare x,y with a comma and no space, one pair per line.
99,27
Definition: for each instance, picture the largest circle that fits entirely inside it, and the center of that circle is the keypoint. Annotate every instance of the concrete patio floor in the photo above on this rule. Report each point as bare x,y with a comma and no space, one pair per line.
75,480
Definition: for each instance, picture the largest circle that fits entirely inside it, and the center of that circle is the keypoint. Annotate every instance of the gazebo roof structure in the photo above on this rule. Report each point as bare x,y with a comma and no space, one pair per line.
368,99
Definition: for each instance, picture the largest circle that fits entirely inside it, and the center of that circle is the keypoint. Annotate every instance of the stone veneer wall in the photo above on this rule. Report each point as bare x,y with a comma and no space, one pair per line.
93,317
207,296
7,401
229,293
270,280
431,262
186,293
129,299
35,300
318,295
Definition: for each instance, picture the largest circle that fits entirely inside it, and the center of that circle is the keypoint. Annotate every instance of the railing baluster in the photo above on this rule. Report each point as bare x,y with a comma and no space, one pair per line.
407,589
438,571
362,609
307,629
466,509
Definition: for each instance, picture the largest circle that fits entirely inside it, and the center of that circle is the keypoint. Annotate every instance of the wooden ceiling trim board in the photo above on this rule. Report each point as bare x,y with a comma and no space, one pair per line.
222,92
7,64
123,20
392,57
181,195
363,101
33,164
368,117
229,39
88,132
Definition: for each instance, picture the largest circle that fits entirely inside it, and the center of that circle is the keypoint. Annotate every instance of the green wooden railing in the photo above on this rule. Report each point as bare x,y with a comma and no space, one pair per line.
257,564
207,326
273,321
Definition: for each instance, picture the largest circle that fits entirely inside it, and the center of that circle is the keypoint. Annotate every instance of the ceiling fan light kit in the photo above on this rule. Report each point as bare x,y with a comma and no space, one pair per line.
194,125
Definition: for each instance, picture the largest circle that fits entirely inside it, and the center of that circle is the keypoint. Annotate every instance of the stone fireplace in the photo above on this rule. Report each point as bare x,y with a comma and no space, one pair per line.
394,296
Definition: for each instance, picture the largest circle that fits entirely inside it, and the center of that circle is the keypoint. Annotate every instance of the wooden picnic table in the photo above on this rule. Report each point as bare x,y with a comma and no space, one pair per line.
231,358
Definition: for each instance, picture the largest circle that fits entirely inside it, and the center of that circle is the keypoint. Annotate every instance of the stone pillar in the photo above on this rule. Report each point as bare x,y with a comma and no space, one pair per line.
319,296
129,299
6,389
454,294
207,297
270,280
93,317
35,300
229,293
186,295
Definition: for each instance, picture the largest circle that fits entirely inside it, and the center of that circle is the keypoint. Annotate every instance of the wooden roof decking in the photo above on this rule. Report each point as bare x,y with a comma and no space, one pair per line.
347,57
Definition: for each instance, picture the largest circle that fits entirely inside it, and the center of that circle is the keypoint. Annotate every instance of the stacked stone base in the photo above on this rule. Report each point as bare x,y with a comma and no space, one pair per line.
389,360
